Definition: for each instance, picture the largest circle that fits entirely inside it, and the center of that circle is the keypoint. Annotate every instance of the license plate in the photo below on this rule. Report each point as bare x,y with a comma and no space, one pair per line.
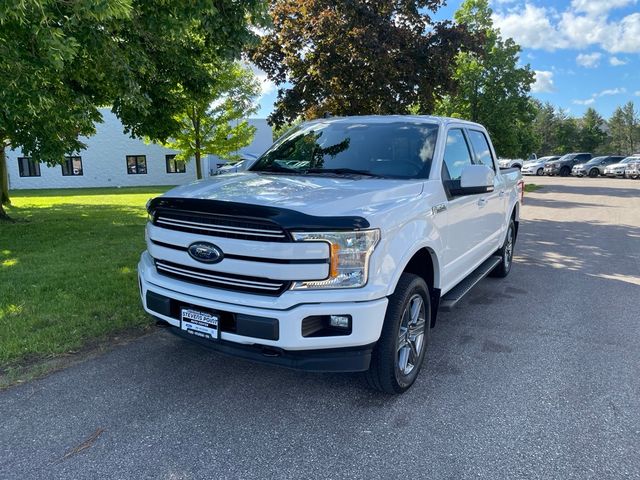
200,324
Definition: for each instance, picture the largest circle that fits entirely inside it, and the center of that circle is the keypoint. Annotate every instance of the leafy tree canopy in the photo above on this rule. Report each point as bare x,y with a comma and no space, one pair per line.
215,124
493,89
61,60
357,57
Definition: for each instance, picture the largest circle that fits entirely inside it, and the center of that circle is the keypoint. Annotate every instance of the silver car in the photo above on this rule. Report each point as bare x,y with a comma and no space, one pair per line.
536,167
617,169
632,170
595,167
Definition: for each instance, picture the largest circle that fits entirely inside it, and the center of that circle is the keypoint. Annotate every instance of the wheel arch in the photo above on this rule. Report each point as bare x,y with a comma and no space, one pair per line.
424,263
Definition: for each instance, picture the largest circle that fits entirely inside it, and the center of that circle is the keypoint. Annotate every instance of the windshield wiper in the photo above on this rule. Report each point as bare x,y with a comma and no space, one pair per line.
275,168
341,171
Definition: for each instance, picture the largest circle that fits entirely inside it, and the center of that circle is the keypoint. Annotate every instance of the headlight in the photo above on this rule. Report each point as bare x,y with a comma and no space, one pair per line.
349,260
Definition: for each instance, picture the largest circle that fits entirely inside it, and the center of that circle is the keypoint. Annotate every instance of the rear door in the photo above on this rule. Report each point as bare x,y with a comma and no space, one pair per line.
465,226
492,205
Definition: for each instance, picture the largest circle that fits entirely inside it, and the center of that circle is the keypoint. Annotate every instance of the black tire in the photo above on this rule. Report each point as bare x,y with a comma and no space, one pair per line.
565,171
539,172
384,372
594,172
506,253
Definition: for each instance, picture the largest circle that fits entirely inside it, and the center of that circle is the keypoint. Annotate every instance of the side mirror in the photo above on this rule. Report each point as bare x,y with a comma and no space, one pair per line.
474,179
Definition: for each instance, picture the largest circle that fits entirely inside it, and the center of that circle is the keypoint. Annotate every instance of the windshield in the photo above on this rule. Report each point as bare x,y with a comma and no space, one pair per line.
596,160
569,156
629,159
386,150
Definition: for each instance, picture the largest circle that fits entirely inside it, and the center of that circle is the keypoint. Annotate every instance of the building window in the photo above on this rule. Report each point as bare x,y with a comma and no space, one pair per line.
28,168
72,167
136,164
175,166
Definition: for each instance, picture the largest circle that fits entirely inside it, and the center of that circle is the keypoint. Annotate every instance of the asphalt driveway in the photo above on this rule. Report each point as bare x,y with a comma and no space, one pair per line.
533,376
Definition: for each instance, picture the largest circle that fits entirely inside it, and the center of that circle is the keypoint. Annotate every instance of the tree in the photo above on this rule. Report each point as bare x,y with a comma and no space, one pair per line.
492,88
213,123
631,130
567,133
545,127
591,134
624,131
62,60
357,57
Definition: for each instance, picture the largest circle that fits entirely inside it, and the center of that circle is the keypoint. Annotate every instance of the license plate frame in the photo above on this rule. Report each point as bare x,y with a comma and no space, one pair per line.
199,323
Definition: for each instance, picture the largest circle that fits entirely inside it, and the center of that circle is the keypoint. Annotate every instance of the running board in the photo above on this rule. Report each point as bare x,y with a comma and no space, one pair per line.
453,296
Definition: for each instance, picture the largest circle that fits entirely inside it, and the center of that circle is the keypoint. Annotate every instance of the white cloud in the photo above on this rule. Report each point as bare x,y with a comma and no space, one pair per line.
585,23
266,85
637,94
544,82
531,28
604,93
589,60
598,7
611,91
616,62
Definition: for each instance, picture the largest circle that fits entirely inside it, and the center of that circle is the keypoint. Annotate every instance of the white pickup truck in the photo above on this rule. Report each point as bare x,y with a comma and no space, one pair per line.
336,249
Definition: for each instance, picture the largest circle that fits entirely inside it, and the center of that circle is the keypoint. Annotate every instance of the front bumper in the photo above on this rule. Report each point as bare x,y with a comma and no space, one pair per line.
289,347
578,173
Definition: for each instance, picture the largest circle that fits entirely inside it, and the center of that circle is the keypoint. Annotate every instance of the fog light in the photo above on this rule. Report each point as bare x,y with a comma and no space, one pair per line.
340,321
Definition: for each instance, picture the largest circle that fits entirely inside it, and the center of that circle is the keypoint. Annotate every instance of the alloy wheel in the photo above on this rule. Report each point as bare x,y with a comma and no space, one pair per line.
411,334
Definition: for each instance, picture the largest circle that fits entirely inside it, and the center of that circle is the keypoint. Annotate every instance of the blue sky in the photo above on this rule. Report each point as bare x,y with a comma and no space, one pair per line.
585,52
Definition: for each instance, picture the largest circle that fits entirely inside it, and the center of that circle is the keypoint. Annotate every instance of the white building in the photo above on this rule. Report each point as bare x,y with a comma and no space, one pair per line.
112,158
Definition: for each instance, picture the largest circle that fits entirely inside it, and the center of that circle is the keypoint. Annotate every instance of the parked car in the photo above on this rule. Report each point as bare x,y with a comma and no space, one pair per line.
515,162
632,170
341,263
536,167
564,164
248,159
618,169
595,167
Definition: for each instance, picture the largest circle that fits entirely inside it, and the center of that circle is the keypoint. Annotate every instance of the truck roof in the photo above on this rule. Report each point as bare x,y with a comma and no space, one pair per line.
442,121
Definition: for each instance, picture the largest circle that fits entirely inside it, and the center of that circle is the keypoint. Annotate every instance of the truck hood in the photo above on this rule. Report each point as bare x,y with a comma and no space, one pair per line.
313,195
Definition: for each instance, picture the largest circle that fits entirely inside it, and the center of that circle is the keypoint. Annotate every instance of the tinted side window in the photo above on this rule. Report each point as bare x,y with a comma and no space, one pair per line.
584,156
481,150
456,155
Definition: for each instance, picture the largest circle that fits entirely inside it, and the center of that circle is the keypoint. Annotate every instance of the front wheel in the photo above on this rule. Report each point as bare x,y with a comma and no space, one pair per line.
594,172
506,253
399,353
564,172
539,172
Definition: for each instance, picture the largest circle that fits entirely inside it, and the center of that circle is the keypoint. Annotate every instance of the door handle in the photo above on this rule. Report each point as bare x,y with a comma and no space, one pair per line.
482,202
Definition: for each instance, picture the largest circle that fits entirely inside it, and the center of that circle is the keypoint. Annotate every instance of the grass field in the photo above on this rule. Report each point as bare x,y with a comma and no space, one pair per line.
68,270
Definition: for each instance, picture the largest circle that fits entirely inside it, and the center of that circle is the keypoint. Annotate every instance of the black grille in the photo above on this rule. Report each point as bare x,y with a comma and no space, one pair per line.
219,225
226,281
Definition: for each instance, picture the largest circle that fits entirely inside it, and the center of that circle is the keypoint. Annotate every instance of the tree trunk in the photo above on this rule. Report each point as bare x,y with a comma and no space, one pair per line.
198,164
4,183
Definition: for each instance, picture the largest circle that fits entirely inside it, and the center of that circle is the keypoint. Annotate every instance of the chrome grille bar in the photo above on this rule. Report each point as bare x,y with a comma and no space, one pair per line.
234,282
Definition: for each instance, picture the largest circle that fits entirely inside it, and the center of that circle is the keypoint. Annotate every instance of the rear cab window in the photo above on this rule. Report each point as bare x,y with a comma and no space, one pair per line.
481,149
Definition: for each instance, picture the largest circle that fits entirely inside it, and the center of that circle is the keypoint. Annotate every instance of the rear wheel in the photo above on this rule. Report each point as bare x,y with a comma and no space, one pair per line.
564,172
506,253
594,172
399,354
539,172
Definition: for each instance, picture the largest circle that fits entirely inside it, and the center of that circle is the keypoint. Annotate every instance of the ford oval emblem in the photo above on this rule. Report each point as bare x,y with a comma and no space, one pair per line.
205,252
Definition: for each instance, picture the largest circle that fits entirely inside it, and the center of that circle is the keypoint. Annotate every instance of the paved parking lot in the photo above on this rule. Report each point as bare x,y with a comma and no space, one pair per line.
533,376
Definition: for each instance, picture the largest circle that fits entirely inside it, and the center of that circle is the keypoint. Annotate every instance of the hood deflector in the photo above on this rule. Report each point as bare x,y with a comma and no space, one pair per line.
284,217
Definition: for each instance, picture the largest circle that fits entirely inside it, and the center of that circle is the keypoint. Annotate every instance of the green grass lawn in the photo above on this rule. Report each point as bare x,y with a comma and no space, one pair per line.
68,270
531,187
